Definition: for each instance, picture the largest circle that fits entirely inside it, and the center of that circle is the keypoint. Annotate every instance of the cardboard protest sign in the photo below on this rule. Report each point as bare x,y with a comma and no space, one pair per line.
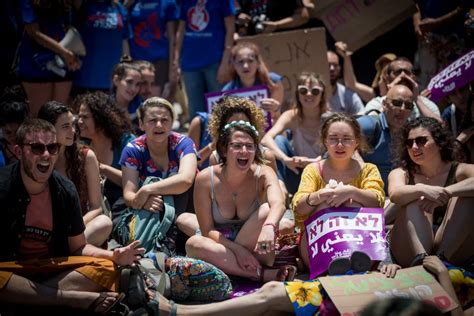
337,232
352,293
456,75
290,53
358,22
256,94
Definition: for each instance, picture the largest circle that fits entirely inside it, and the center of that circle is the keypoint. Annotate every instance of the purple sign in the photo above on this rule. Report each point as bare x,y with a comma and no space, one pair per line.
454,76
255,93
337,232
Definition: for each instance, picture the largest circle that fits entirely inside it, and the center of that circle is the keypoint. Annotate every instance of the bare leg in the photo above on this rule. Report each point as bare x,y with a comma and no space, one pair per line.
98,230
61,91
20,290
38,94
412,234
454,236
208,250
187,223
270,298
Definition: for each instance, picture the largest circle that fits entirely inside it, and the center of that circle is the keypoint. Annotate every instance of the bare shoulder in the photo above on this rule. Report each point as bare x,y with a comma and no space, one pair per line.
464,171
91,158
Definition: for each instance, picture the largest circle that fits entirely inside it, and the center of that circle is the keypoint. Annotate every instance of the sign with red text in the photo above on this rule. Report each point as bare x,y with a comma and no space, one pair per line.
352,293
337,232
456,75
358,22
292,52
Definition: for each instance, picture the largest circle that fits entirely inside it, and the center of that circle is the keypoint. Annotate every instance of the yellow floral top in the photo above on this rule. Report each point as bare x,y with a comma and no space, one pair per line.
311,181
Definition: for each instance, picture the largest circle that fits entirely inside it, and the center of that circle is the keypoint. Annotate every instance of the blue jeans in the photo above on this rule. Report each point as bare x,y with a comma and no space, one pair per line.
199,82
291,179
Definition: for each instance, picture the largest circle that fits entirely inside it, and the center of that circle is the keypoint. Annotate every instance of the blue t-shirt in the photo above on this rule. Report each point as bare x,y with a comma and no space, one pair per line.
236,84
380,140
148,19
136,156
33,56
204,34
104,27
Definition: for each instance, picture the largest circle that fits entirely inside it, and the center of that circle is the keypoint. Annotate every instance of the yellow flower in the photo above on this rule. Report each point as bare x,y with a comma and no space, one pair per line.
304,293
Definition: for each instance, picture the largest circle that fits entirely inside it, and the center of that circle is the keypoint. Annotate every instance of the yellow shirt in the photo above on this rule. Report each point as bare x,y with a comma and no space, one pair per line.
311,181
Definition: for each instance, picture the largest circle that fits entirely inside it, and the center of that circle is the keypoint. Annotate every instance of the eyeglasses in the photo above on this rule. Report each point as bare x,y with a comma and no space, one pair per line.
38,148
240,146
346,142
314,90
407,105
420,141
397,72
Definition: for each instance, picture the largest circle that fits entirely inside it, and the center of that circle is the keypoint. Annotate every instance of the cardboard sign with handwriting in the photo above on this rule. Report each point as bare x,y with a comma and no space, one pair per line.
351,293
290,53
358,22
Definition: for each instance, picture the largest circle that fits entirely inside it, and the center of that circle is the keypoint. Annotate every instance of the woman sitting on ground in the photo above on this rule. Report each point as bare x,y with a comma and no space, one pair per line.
362,184
304,121
161,153
108,130
80,165
436,195
238,205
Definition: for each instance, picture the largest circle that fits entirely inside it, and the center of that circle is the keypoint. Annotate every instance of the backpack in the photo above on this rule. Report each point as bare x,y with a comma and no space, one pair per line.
373,134
148,227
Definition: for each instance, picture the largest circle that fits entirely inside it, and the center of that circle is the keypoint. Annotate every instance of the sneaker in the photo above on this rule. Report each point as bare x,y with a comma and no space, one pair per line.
339,266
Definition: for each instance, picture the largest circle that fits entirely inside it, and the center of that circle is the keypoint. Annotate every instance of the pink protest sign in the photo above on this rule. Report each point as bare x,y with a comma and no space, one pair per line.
337,232
456,75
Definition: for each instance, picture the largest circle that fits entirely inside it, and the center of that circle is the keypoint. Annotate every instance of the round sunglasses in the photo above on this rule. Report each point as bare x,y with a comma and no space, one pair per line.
314,90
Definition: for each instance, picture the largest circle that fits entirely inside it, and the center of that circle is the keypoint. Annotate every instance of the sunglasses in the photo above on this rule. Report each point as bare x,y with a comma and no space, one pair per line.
407,105
397,72
346,142
38,148
420,141
314,90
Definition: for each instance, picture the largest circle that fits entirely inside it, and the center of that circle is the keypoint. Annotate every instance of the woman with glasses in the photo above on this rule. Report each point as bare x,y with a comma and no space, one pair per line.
339,179
436,195
303,120
239,205
79,164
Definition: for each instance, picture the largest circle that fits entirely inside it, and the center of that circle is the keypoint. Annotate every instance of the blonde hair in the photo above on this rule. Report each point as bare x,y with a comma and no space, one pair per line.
155,102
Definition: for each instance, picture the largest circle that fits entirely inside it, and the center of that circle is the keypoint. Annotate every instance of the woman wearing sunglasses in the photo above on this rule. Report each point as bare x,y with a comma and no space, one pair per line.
239,205
303,120
80,165
436,195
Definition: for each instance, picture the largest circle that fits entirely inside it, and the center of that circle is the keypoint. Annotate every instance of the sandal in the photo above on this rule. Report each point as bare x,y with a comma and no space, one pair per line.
339,266
360,262
418,259
102,296
289,270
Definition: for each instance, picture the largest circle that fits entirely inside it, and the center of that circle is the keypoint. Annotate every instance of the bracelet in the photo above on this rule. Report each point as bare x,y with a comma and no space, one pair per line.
307,201
275,228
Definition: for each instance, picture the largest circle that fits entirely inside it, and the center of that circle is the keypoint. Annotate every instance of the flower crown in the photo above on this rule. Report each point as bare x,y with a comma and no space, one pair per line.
240,123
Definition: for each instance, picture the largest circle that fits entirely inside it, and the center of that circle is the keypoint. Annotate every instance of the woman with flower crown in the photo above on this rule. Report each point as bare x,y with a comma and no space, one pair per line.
238,205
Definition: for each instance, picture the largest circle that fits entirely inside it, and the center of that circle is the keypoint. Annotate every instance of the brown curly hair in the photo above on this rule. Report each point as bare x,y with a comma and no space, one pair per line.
449,149
108,118
312,78
230,105
350,120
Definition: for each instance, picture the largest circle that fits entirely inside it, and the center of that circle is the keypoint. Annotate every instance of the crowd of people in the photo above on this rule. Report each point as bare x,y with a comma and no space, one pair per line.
90,153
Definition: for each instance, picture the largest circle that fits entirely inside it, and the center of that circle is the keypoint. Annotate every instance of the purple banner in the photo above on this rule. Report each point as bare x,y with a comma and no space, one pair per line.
454,76
255,93
337,232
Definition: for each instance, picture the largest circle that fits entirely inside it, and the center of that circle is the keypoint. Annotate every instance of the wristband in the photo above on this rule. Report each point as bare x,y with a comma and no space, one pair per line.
307,201
275,228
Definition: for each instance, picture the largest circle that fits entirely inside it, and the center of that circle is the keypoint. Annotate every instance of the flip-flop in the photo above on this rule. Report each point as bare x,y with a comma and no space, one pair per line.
339,266
360,262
